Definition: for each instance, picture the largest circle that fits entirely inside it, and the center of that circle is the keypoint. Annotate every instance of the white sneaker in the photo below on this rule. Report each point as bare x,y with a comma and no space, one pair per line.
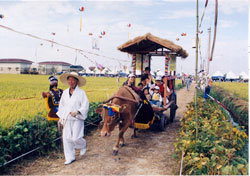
82,151
68,162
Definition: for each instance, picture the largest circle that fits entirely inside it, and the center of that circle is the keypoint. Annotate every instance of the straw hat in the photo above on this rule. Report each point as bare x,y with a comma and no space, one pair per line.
81,80
131,75
158,78
157,87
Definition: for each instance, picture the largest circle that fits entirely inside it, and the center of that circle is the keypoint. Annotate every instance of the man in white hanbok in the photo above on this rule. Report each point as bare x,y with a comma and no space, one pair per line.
73,110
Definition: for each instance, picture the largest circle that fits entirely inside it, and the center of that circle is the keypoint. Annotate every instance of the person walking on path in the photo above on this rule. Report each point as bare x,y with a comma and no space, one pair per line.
188,82
73,110
208,87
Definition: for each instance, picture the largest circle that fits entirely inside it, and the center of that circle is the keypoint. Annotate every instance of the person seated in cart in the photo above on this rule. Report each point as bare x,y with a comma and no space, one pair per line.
52,99
156,97
146,82
160,84
147,94
140,86
148,75
131,83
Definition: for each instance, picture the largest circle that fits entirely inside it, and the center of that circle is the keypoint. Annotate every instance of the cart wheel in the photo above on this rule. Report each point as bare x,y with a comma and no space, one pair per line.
173,108
154,126
163,122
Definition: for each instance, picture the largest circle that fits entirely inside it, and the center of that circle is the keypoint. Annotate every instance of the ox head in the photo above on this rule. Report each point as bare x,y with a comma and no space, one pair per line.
110,117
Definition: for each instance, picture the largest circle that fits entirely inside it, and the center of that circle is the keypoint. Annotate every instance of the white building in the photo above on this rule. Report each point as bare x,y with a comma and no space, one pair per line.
15,66
52,67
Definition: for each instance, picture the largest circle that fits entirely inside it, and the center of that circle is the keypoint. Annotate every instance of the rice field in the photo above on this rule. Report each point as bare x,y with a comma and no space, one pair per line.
21,95
238,89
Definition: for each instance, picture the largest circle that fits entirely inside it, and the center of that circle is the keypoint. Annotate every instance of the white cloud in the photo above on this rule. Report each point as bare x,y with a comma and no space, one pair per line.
179,14
232,6
43,18
179,0
226,24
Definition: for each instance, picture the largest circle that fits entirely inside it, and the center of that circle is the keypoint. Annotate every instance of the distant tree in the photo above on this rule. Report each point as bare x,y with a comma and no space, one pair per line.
17,68
92,68
9,68
106,71
84,70
34,70
53,70
25,70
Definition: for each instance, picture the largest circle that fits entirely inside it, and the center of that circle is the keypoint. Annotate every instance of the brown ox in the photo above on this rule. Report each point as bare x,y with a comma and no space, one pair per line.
128,107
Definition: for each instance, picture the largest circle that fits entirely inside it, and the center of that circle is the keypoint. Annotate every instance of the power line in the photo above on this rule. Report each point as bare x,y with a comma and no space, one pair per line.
63,45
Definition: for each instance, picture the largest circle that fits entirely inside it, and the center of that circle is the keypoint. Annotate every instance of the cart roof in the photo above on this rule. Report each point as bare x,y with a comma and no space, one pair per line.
149,43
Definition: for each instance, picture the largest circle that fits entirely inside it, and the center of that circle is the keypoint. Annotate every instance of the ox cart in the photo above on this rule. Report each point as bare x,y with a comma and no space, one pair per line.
142,49
124,108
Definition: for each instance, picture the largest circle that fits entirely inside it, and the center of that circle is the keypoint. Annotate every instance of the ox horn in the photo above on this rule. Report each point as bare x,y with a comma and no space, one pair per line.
100,106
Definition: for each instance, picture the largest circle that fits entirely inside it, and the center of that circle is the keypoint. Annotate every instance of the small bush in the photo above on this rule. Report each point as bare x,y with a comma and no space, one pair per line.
220,147
28,135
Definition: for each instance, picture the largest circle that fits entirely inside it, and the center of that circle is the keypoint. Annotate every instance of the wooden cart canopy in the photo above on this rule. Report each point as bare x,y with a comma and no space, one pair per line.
149,43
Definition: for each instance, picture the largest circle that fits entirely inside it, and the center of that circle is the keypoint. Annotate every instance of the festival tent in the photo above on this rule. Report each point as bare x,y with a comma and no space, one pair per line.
231,76
88,71
113,72
243,76
217,76
218,73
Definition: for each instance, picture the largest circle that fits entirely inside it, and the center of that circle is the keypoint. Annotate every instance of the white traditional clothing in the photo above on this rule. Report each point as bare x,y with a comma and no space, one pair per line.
73,127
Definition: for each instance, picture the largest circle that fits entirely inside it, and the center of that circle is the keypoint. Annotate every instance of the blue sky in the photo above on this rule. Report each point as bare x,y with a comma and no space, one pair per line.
166,19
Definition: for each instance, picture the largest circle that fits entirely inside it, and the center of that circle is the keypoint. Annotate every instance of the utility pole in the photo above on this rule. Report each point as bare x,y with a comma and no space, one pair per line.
196,66
208,49
197,41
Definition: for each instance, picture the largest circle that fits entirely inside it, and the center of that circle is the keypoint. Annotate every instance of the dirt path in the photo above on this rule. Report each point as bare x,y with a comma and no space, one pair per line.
149,154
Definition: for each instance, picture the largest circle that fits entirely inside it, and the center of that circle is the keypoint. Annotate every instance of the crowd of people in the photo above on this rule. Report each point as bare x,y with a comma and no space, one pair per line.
147,89
70,107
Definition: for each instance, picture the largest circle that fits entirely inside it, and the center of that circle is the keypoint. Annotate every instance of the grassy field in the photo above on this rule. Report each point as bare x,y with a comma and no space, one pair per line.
20,95
238,89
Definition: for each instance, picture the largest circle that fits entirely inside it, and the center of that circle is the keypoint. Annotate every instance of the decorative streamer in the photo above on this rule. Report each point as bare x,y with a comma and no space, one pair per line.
203,14
167,59
134,64
215,27
128,25
81,10
60,44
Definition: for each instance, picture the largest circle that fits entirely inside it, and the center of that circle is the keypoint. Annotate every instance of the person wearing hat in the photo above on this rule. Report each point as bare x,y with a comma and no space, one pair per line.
156,97
52,98
159,83
73,110
131,83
